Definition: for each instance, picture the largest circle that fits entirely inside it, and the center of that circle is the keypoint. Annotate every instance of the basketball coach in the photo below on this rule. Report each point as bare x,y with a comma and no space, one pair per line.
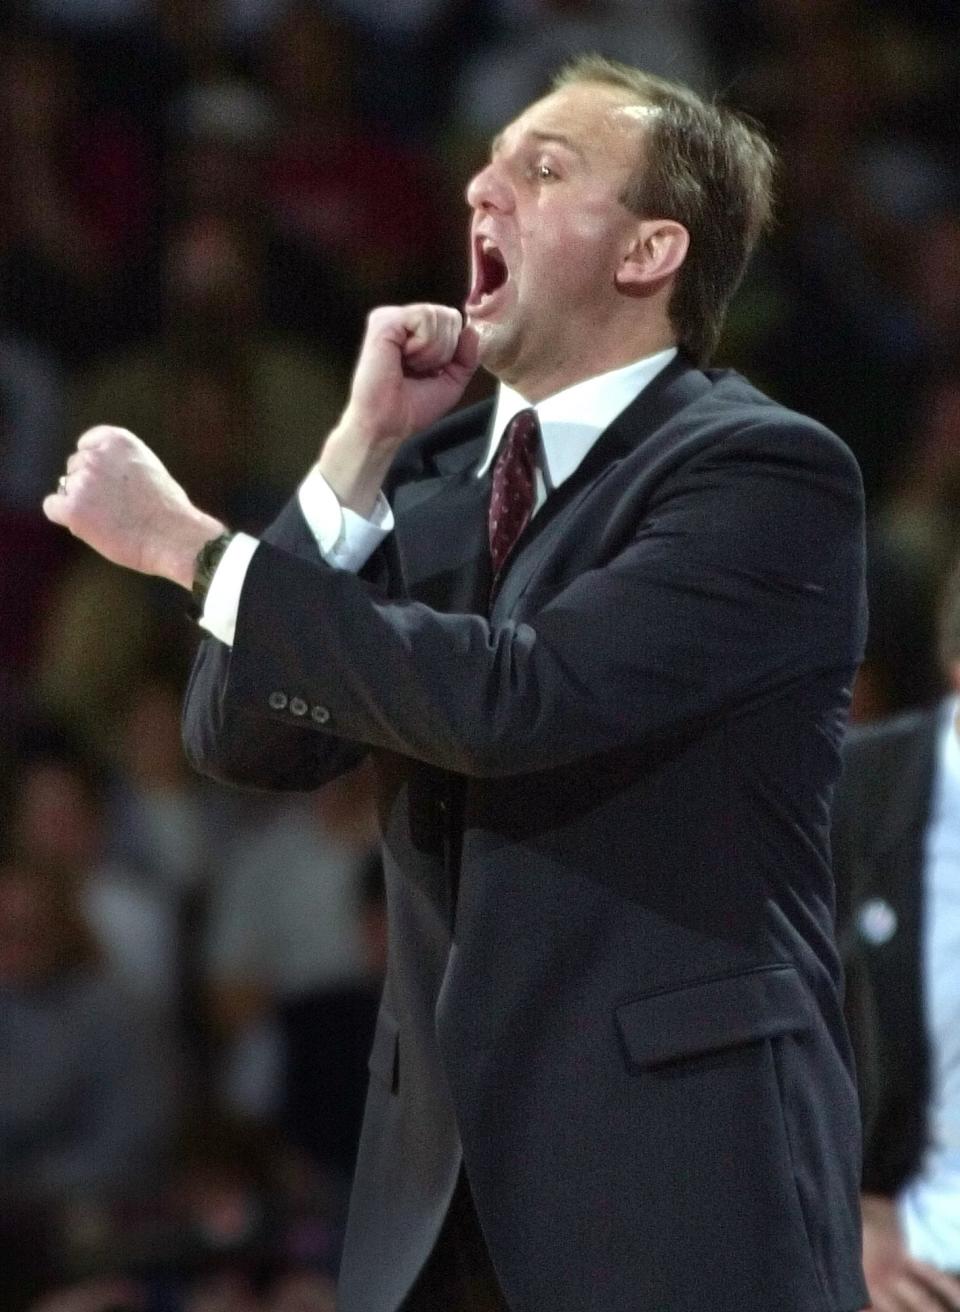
598,637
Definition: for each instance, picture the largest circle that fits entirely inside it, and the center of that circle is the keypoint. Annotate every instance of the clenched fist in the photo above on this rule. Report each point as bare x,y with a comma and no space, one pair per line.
414,364
118,498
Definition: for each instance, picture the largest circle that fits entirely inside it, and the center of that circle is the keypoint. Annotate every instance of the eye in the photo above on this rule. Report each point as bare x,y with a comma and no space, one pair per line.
544,172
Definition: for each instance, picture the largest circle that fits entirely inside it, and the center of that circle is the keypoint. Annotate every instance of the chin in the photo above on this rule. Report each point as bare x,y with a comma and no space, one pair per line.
496,346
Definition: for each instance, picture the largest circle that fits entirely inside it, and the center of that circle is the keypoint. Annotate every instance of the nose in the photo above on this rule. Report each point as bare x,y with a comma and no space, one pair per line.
490,189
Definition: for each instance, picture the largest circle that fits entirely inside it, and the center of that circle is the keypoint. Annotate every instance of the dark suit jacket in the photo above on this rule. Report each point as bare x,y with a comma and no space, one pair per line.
880,821
612,973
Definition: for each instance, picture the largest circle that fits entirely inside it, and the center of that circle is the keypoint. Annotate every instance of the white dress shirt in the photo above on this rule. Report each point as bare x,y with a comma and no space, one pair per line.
570,423
929,1204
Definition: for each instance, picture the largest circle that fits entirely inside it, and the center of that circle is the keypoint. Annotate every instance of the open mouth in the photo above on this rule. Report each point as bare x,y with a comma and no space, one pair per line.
490,272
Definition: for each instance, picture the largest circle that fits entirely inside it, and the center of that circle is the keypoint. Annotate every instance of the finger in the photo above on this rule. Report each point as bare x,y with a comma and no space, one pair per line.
96,437
56,508
945,1287
93,437
433,337
452,322
76,460
423,331
882,1301
467,350
913,1296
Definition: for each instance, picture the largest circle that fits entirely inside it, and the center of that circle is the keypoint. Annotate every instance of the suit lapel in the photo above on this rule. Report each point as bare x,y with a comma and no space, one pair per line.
439,551
674,388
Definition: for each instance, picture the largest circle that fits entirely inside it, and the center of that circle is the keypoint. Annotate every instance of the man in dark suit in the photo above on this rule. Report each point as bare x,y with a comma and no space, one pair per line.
602,664
896,840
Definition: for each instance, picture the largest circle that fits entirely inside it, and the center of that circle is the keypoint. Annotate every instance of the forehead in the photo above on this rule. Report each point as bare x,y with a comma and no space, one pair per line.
588,117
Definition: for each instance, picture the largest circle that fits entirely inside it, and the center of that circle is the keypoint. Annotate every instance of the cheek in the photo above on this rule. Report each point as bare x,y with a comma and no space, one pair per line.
569,243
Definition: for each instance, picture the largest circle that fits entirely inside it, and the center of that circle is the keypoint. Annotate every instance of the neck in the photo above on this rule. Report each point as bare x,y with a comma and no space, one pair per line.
536,386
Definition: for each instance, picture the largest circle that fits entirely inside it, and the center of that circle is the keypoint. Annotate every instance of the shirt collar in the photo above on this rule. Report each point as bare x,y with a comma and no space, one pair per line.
572,420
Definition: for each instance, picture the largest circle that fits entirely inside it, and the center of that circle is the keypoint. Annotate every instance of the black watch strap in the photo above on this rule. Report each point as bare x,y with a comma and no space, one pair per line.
205,566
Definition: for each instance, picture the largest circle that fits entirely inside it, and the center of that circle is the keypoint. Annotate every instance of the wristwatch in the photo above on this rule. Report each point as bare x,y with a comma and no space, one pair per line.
204,568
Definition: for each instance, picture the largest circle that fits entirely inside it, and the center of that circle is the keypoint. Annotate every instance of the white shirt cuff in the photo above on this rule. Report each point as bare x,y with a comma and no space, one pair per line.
223,595
345,539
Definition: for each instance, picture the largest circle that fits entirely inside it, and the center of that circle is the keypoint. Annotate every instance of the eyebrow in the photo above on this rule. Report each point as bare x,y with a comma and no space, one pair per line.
554,138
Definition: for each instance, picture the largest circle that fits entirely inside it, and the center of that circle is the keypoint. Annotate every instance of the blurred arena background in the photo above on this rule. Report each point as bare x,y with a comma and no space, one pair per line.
199,202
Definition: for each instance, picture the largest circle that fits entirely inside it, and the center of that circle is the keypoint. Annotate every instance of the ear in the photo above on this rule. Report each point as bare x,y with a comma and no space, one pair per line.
658,248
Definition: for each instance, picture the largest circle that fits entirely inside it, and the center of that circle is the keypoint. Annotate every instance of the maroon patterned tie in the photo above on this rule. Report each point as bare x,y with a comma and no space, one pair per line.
511,500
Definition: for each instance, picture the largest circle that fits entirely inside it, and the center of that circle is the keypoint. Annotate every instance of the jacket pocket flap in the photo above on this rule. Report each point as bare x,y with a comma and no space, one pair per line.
712,1014
384,1059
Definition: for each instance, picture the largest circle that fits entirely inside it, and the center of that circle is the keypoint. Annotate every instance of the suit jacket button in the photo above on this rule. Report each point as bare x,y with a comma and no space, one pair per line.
319,714
298,706
278,701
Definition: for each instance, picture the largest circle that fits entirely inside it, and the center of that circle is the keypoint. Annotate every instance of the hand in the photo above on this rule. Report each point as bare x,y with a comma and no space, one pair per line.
118,498
414,364
896,1281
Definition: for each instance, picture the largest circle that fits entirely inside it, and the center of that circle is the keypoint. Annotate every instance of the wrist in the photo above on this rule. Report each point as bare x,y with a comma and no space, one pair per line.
180,556
373,428
355,467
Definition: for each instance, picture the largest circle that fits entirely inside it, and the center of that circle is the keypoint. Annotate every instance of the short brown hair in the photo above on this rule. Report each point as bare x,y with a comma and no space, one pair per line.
705,167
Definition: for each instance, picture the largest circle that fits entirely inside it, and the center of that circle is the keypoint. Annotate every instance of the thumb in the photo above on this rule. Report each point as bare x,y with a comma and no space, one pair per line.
467,354
465,358
55,508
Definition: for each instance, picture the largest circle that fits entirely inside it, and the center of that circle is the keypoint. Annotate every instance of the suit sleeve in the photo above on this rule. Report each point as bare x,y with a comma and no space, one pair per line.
741,577
228,744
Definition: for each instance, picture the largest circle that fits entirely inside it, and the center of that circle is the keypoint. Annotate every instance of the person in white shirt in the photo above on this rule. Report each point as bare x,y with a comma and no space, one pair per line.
896,839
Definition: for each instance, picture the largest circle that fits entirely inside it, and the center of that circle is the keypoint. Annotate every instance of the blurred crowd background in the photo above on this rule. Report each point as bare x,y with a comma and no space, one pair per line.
199,202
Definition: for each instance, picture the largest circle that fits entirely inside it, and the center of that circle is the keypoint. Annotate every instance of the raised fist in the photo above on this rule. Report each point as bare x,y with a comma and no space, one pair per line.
118,498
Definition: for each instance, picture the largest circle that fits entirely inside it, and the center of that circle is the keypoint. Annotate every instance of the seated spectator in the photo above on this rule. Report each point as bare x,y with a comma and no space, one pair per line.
343,193
230,19
239,413
533,37
176,829
77,198
32,563
896,842
108,1294
95,632
300,1291
327,1035
222,134
284,925
32,434
411,55
842,326
85,1097
913,540
56,824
